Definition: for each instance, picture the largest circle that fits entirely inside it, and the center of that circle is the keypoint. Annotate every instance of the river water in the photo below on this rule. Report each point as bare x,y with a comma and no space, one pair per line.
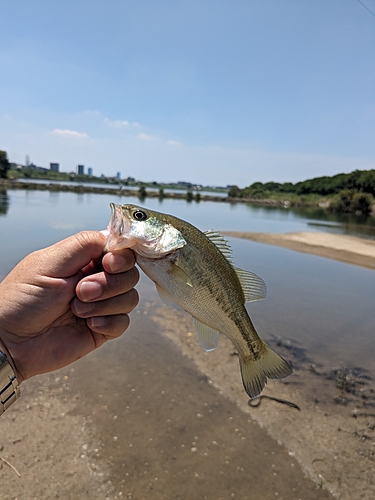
322,310
326,307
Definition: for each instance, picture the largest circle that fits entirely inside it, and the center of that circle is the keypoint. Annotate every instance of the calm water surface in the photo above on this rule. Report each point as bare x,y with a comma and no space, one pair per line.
325,307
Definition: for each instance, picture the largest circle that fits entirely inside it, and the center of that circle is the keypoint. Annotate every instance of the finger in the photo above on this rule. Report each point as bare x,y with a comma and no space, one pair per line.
102,285
118,262
69,256
121,304
109,327
93,267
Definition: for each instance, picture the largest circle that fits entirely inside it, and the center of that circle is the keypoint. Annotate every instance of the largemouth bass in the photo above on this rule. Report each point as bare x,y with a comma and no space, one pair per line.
195,271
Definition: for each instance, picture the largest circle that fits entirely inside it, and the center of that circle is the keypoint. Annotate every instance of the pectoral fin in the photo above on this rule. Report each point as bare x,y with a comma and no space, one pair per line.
167,299
208,337
180,274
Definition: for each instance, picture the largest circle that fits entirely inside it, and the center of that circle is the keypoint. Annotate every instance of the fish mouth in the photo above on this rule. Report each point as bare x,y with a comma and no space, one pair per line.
118,228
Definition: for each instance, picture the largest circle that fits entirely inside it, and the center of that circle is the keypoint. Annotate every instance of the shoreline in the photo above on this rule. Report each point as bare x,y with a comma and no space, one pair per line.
122,191
119,190
342,248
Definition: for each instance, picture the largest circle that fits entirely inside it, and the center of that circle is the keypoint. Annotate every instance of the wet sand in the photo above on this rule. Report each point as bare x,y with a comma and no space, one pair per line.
152,415
138,419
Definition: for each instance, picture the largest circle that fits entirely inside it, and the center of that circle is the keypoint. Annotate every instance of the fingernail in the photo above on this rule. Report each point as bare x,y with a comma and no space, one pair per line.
90,290
83,307
116,262
98,321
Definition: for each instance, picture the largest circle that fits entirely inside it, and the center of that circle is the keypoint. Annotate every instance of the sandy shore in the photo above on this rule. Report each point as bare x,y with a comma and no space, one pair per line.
339,247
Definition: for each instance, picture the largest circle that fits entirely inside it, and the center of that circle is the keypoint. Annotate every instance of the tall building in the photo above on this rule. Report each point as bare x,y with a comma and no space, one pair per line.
118,176
54,167
80,169
89,172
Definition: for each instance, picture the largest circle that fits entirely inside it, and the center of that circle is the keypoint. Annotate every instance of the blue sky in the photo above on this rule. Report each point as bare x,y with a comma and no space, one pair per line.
210,91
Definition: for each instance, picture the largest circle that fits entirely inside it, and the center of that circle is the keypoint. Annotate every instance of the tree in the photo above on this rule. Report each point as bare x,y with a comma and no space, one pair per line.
4,164
361,202
234,192
351,202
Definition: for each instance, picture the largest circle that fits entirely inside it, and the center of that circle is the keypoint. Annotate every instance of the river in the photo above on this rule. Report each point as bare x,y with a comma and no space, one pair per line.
318,311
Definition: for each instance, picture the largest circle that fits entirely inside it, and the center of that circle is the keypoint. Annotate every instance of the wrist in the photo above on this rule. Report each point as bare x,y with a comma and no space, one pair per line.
5,350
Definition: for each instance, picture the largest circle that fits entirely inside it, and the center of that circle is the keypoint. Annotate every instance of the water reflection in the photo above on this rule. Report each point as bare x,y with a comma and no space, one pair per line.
4,202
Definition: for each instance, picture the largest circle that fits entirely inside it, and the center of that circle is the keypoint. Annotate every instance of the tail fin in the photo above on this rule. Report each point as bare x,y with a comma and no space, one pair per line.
255,373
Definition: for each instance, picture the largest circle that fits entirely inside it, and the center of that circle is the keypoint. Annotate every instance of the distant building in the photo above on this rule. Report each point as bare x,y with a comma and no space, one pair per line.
27,161
35,167
89,172
118,176
81,170
54,167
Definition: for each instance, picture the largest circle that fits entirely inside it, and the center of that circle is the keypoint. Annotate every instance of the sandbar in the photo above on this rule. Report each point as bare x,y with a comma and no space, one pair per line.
343,248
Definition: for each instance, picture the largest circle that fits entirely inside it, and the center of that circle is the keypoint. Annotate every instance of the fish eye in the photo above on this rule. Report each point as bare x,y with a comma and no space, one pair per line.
139,215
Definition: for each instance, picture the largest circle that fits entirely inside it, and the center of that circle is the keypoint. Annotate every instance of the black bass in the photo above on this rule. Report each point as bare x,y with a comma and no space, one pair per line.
195,271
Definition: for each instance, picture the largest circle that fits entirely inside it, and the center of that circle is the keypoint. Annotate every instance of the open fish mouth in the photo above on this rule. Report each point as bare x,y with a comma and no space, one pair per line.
118,227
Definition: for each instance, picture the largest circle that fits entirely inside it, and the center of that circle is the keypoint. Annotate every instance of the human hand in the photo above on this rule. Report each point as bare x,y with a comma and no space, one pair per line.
61,302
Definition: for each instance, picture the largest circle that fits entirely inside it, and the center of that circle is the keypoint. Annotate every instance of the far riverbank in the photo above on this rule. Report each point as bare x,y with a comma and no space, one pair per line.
147,193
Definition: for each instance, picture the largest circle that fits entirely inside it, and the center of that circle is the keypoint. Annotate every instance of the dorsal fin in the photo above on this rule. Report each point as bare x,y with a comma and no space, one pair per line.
221,243
253,286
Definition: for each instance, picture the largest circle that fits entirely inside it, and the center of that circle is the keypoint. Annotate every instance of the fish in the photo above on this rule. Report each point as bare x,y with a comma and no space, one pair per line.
195,271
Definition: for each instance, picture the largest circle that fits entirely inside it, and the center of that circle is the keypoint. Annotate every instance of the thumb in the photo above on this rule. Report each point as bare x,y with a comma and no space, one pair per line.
69,256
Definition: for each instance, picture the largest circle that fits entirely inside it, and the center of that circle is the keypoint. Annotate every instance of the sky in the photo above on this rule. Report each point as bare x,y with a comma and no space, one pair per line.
214,92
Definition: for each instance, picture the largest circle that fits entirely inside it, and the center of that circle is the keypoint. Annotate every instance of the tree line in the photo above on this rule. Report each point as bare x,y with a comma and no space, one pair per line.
351,192
359,181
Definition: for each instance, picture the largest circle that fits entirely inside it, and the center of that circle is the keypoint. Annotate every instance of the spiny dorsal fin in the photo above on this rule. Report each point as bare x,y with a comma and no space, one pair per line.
253,286
207,336
221,243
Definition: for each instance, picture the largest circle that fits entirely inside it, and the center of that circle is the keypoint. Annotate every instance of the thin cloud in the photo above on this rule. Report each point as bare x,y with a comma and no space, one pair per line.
174,143
146,137
70,134
117,123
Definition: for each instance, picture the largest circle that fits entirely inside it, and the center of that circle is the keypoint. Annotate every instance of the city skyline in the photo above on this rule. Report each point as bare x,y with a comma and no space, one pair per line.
213,92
